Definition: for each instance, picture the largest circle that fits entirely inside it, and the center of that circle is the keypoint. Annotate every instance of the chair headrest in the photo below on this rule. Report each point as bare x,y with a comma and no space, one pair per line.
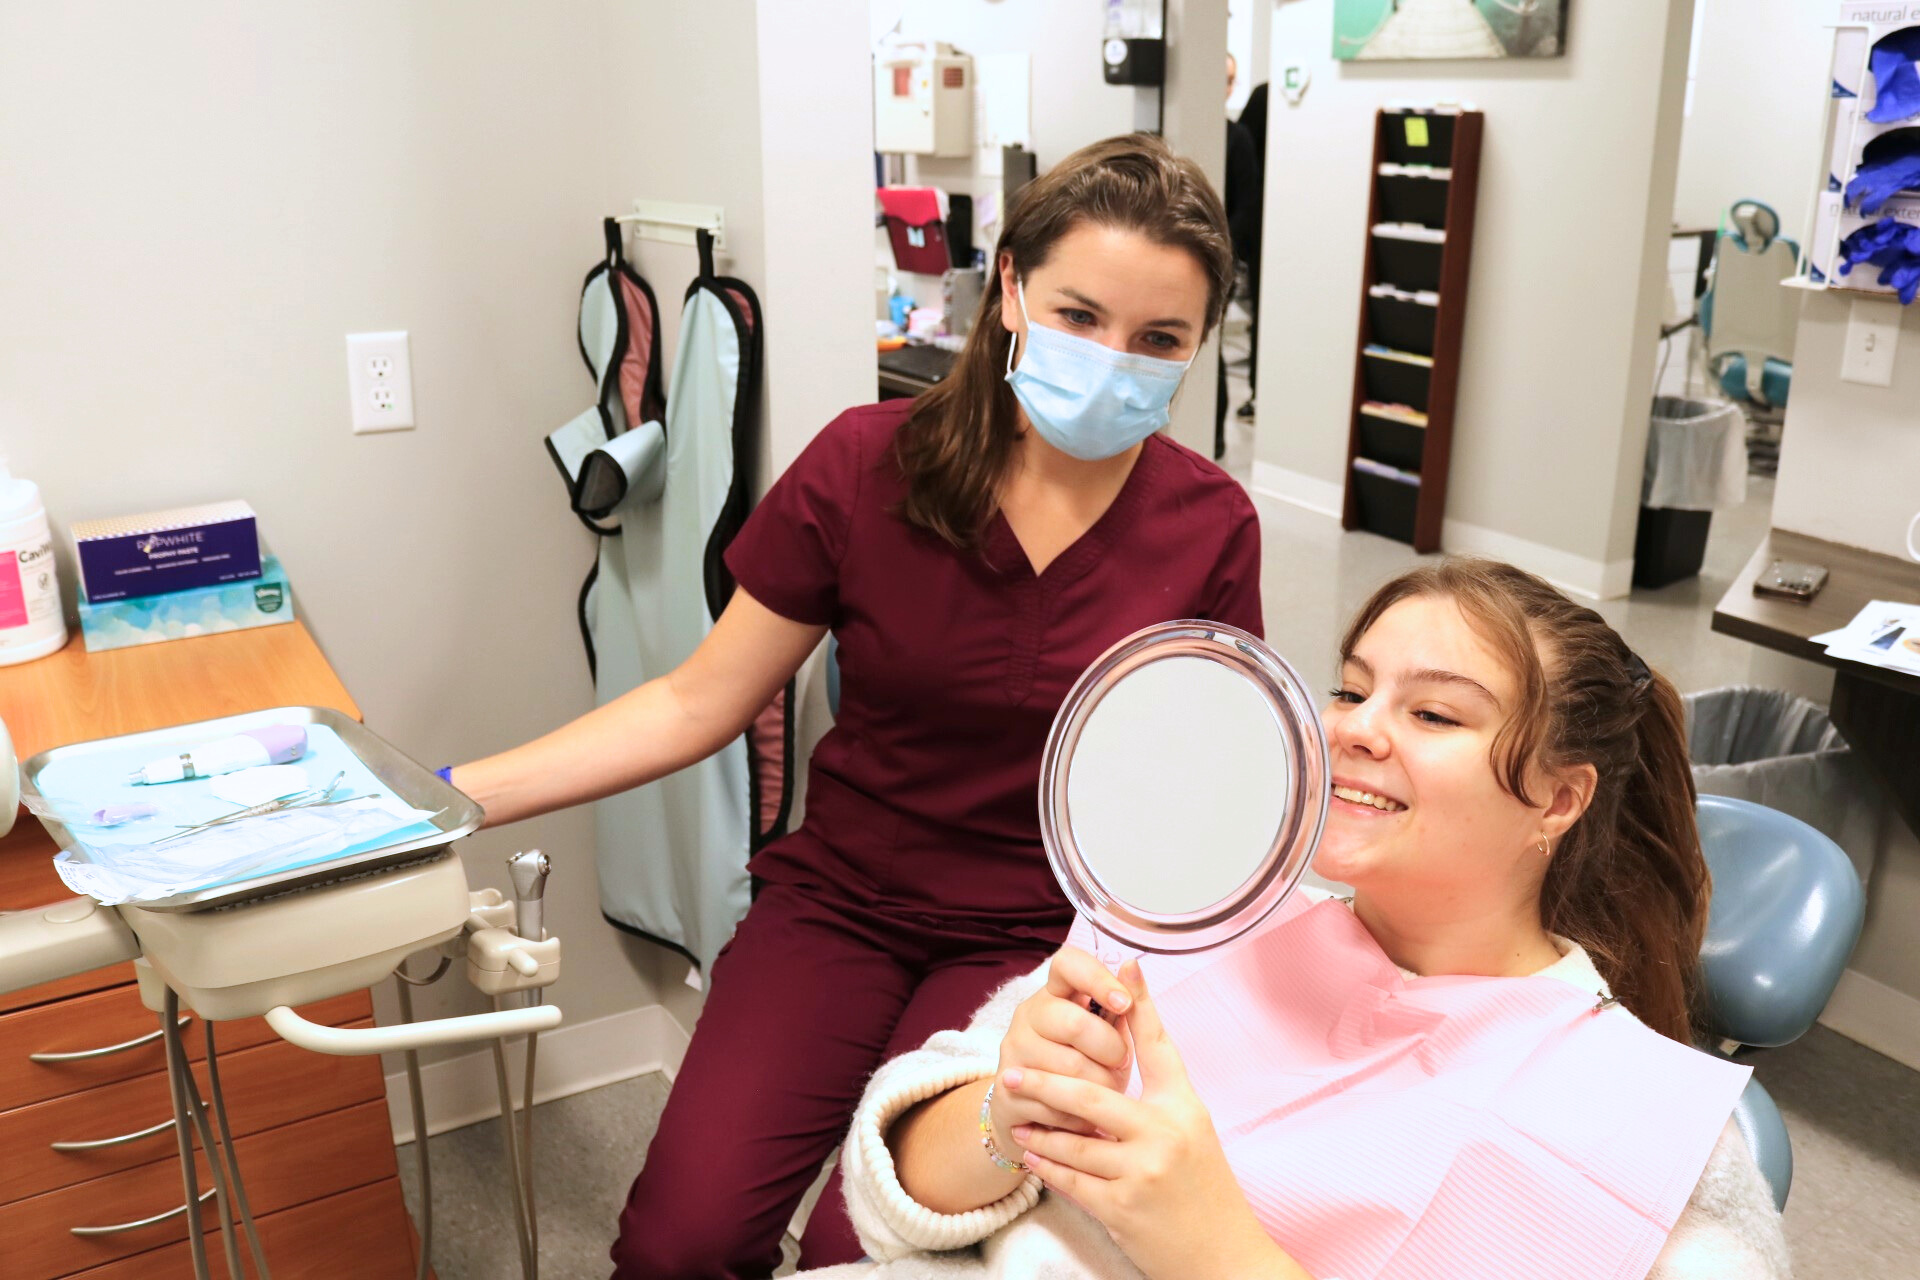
1755,225
1787,910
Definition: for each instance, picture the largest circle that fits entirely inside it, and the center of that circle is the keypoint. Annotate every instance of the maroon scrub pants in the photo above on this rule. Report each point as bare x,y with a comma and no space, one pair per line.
807,1000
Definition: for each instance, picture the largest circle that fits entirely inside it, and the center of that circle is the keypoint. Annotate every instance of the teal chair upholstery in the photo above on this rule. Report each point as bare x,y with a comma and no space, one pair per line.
1787,911
1749,320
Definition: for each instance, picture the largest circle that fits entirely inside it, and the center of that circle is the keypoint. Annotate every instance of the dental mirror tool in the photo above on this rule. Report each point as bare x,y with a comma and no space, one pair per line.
1184,787
528,871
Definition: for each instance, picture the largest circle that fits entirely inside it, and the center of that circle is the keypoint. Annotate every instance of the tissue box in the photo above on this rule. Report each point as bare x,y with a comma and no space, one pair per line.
164,551
204,611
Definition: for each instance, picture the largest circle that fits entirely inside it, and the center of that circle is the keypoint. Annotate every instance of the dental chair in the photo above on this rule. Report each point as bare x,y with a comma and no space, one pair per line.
1787,911
1749,320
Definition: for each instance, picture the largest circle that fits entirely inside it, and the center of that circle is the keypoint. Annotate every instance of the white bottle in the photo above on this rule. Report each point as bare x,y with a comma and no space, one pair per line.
31,624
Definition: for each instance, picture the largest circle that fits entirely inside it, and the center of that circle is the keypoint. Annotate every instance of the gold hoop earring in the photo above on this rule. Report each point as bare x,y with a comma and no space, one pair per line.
1546,850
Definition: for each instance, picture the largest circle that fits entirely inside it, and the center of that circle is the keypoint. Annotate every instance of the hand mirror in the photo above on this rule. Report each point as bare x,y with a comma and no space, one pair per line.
1184,787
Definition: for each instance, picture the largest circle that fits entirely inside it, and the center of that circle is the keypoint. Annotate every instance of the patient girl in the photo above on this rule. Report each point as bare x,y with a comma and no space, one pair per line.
1479,1066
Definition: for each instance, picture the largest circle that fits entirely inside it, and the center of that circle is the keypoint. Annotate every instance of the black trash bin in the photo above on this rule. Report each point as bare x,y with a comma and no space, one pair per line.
1696,461
1669,545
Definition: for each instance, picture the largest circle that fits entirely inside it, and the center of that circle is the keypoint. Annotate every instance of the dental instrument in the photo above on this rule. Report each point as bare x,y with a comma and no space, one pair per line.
298,800
528,871
273,744
293,935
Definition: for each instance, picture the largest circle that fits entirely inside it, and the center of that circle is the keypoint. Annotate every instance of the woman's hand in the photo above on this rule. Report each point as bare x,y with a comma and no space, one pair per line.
1155,1174
1054,1033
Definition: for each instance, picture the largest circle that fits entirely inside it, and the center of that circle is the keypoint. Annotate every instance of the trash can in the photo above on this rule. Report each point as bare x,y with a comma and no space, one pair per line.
1696,462
1780,750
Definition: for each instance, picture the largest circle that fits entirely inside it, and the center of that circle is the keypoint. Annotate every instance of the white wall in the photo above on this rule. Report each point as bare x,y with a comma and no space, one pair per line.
1759,104
1850,473
1196,127
1850,454
1566,292
215,193
816,121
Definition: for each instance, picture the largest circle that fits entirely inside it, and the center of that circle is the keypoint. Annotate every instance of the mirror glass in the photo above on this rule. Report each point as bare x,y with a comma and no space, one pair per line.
1183,755
1184,786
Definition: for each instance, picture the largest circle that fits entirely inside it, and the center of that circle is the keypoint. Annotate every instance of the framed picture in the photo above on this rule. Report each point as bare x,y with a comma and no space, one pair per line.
1397,29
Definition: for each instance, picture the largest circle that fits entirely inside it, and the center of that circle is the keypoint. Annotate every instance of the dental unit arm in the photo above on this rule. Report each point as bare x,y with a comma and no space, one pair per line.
261,956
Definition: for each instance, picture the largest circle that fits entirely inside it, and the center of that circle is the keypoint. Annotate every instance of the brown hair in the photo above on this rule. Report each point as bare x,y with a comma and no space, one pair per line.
957,443
1628,880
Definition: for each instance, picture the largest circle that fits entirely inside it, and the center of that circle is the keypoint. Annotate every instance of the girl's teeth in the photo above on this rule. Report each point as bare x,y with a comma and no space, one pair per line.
1383,803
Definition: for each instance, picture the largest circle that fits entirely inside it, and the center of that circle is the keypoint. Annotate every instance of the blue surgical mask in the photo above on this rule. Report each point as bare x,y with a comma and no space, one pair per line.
1085,399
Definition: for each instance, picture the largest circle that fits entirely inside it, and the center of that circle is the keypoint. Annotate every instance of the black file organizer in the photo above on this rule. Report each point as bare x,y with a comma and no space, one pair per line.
1417,198
1388,505
1389,440
1440,127
1412,509
1392,381
1407,264
1403,324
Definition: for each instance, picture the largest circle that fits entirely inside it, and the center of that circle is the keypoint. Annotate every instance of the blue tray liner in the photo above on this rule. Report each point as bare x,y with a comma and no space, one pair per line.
80,783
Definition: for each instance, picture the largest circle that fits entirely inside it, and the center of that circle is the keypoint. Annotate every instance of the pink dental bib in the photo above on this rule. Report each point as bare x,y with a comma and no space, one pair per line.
1387,1128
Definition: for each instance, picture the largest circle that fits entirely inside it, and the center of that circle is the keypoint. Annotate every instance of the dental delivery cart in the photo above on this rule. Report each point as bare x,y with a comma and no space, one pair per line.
245,1036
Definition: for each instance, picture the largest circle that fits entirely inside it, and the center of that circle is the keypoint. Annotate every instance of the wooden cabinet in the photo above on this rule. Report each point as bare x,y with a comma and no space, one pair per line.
85,1116
327,1237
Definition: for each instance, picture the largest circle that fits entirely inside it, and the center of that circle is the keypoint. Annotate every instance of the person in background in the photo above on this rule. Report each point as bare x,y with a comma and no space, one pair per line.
1253,118
1243,226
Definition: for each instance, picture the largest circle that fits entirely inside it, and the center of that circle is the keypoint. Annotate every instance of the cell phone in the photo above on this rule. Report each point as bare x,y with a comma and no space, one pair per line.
1791,580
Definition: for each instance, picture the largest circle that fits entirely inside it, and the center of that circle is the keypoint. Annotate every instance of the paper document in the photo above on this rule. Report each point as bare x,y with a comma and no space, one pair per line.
1884,634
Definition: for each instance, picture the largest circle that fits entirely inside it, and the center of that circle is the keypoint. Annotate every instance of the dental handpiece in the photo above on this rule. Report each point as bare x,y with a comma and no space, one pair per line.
528,871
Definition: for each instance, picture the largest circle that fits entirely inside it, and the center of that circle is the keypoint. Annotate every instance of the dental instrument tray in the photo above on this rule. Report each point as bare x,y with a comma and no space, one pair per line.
452,814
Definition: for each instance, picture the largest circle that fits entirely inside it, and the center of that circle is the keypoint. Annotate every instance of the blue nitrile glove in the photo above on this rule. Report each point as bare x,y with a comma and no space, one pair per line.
1896,94
1891,245
1877,181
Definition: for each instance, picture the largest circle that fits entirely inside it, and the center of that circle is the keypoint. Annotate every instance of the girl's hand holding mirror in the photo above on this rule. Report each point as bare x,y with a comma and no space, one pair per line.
1053,1032
1155,1175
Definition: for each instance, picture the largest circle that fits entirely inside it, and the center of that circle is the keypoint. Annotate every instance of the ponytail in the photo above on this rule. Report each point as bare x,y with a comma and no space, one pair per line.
1627,881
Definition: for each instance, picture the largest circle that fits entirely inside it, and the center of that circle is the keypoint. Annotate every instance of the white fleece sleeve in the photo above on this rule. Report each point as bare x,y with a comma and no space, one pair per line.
1729,1229
889,1222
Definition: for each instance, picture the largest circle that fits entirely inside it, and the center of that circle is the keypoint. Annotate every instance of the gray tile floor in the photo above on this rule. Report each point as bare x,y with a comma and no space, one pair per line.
1853,1114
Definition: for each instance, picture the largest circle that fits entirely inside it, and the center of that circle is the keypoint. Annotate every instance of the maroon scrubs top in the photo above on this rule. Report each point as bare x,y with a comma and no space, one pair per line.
922,801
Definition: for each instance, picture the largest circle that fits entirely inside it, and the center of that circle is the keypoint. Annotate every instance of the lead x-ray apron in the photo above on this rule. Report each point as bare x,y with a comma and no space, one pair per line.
666,496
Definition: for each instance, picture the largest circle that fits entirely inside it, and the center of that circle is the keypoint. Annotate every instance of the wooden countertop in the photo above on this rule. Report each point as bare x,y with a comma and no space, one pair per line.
76,696
1855,577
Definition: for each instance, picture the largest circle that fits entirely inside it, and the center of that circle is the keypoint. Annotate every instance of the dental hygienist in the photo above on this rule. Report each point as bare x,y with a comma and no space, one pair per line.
973,550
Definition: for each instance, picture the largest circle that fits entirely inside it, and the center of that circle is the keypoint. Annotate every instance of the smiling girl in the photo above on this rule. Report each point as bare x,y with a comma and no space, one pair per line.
1478,1066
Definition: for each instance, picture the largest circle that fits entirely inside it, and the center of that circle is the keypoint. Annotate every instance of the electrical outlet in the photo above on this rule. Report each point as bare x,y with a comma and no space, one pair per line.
380,381
1873,337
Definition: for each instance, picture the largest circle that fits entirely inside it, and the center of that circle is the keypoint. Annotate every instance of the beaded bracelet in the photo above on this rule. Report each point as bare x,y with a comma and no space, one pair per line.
986,1136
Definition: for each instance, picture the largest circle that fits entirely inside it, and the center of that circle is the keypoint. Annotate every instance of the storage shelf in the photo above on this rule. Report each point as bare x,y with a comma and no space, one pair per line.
1419,243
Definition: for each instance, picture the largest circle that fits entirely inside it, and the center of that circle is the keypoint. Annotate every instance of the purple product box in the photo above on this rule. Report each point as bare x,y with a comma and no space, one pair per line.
162,551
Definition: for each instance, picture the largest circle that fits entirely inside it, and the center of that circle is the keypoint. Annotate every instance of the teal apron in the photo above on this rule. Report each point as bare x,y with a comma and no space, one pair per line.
666,497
